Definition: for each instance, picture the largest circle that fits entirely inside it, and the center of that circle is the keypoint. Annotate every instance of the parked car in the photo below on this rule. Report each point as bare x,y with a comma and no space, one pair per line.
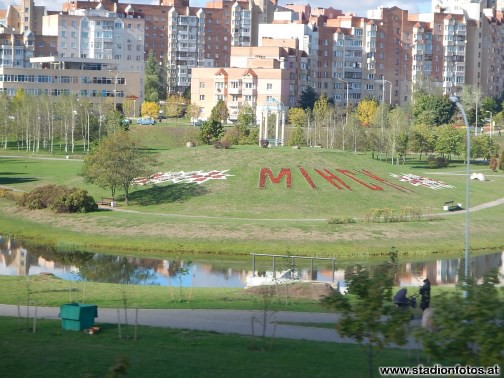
146,121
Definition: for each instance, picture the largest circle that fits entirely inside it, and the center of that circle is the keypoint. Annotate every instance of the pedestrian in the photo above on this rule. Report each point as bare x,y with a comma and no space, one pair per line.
425,295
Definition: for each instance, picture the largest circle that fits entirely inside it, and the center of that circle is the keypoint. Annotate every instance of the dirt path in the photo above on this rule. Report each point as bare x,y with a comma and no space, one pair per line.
482,206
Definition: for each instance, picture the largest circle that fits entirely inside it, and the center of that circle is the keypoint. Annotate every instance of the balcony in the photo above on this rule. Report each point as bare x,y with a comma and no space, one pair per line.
234,105
235,91
249,91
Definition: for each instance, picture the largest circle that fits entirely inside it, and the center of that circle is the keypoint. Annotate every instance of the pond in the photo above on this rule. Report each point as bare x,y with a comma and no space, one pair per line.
15,260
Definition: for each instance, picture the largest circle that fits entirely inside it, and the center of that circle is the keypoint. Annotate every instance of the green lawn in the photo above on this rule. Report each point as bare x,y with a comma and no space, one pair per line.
52,352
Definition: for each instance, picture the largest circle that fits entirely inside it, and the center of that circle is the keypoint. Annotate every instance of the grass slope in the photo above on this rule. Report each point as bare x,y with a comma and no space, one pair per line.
236,216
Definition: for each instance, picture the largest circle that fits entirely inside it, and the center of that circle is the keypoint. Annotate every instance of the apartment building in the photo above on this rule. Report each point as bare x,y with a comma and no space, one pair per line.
259,76
183,37
91,53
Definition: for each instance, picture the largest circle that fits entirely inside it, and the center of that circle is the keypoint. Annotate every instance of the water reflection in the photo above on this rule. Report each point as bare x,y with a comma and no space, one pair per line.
18,261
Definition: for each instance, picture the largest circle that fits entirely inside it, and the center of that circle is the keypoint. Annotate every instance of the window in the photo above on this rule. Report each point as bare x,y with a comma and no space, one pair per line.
269,86
202,84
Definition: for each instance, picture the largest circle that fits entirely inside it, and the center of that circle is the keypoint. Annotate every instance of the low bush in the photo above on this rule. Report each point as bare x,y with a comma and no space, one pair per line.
437,162
223,144
60,199
493,164
341,220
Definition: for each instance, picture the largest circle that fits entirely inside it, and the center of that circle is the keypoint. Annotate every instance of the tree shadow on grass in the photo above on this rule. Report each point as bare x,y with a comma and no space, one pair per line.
156,195
15,180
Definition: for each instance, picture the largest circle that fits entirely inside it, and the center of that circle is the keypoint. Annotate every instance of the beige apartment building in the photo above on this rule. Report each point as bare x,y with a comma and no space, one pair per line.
260,77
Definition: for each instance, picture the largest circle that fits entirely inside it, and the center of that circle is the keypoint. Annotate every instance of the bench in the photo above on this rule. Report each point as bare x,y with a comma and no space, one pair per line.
452,206
107,201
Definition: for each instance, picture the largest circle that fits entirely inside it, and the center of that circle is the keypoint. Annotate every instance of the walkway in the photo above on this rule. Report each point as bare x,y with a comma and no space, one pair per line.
222,321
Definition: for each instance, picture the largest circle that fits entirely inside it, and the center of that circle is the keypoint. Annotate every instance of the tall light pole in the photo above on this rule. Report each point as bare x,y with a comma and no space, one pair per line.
491,124
455,100
383,112
347,86
115,92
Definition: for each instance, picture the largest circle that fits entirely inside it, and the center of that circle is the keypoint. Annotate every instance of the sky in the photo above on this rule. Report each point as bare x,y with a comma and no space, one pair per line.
360,7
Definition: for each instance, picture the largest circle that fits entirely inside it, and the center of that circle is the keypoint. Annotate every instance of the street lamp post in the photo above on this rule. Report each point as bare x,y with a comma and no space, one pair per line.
455,100
347,86
115,92
491,123
383,112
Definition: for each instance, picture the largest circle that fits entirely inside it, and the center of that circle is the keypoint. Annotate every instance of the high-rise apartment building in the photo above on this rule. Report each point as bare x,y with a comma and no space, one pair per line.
183,37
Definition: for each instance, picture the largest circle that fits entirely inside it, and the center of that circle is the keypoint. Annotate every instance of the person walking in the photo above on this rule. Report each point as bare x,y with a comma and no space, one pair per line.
425,294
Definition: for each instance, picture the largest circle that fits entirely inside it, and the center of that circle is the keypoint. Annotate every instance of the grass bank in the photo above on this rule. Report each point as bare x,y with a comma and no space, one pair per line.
46,290
49,291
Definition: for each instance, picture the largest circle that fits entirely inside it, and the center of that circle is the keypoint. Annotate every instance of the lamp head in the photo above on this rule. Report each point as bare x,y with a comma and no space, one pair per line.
454,99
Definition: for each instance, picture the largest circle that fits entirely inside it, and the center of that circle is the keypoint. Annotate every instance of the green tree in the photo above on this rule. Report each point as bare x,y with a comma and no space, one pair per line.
399,132
246,116
297,137
422,139
220,112
308,98
368,314
7,118
154,86
468,330
193,112
246,119
128,107
432,110
471,100
449,141
187,95
483,146
116,162
210,131
175,106
488,104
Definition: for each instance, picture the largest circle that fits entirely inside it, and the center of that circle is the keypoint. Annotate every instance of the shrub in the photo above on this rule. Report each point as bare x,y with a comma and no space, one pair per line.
437,162
297,137
493,163
60,199
251,137
341,220
231,136
210,131
224,144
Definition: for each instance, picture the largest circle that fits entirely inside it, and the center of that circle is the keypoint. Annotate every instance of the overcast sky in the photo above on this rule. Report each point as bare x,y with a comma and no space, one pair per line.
359,7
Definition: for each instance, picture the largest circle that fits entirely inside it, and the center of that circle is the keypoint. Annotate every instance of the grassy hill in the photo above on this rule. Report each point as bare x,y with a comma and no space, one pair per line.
235,215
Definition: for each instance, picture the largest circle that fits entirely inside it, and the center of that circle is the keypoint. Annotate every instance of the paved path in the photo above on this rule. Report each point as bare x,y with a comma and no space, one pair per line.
222,321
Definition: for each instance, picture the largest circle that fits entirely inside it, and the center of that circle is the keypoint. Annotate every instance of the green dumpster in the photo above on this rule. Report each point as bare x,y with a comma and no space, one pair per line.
77,316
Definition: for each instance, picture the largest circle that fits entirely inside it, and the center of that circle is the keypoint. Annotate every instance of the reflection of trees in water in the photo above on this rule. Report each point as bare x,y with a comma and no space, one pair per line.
74,258
115,269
